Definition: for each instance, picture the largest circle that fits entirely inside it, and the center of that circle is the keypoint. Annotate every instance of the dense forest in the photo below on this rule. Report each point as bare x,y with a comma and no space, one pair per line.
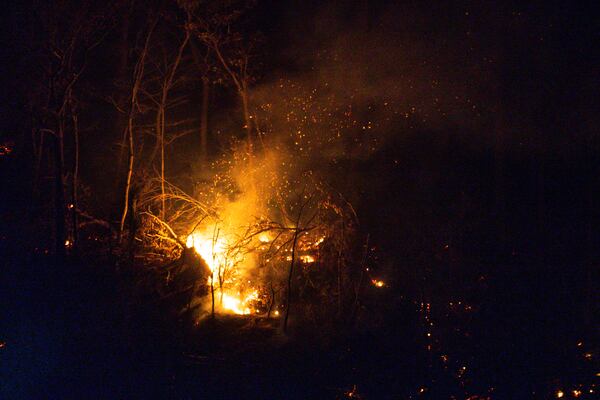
299,199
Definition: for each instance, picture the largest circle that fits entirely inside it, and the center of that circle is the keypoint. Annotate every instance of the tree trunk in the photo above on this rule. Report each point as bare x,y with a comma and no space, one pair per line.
212,294
129,175
247,118
272,302
291,272
339,272
59,198
137,81
120,121
204,121
162,156
73,205
167,84
288,301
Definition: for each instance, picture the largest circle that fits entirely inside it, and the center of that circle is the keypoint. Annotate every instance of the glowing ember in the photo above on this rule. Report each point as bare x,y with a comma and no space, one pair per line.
307,259
378,283
560,394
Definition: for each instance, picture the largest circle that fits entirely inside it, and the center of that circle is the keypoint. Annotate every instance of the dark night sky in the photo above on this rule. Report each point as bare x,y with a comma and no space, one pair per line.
470,73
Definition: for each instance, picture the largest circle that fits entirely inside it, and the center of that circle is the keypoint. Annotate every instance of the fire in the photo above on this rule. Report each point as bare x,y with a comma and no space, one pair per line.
212,249
239,305
215,248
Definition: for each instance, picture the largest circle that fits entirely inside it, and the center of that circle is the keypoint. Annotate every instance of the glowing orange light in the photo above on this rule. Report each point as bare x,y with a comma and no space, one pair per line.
214,248
560,394
307,259
378,283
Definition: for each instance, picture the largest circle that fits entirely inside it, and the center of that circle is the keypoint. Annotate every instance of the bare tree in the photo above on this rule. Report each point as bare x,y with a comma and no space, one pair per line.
167,84
138,75
64,51
232,51
203,66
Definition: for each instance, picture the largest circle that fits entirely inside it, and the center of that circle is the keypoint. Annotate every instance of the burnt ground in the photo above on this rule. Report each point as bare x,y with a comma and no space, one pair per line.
66,336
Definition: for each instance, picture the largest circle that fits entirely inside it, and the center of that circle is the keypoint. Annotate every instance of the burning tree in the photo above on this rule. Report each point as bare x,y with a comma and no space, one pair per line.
264,230
268,235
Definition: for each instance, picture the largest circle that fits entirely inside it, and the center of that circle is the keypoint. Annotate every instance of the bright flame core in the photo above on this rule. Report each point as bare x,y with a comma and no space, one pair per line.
213,249
230,258
216,250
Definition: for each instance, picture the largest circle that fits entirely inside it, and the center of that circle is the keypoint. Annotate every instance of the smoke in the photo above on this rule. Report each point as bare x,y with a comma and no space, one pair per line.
343,85
358,84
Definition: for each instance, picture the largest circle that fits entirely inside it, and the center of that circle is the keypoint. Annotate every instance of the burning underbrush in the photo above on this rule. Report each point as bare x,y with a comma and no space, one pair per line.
258,238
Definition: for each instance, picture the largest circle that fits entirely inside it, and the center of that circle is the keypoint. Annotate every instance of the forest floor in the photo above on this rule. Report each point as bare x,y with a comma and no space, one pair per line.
65,336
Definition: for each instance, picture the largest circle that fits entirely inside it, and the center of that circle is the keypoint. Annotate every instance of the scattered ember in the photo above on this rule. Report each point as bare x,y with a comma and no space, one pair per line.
6,149
353,393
